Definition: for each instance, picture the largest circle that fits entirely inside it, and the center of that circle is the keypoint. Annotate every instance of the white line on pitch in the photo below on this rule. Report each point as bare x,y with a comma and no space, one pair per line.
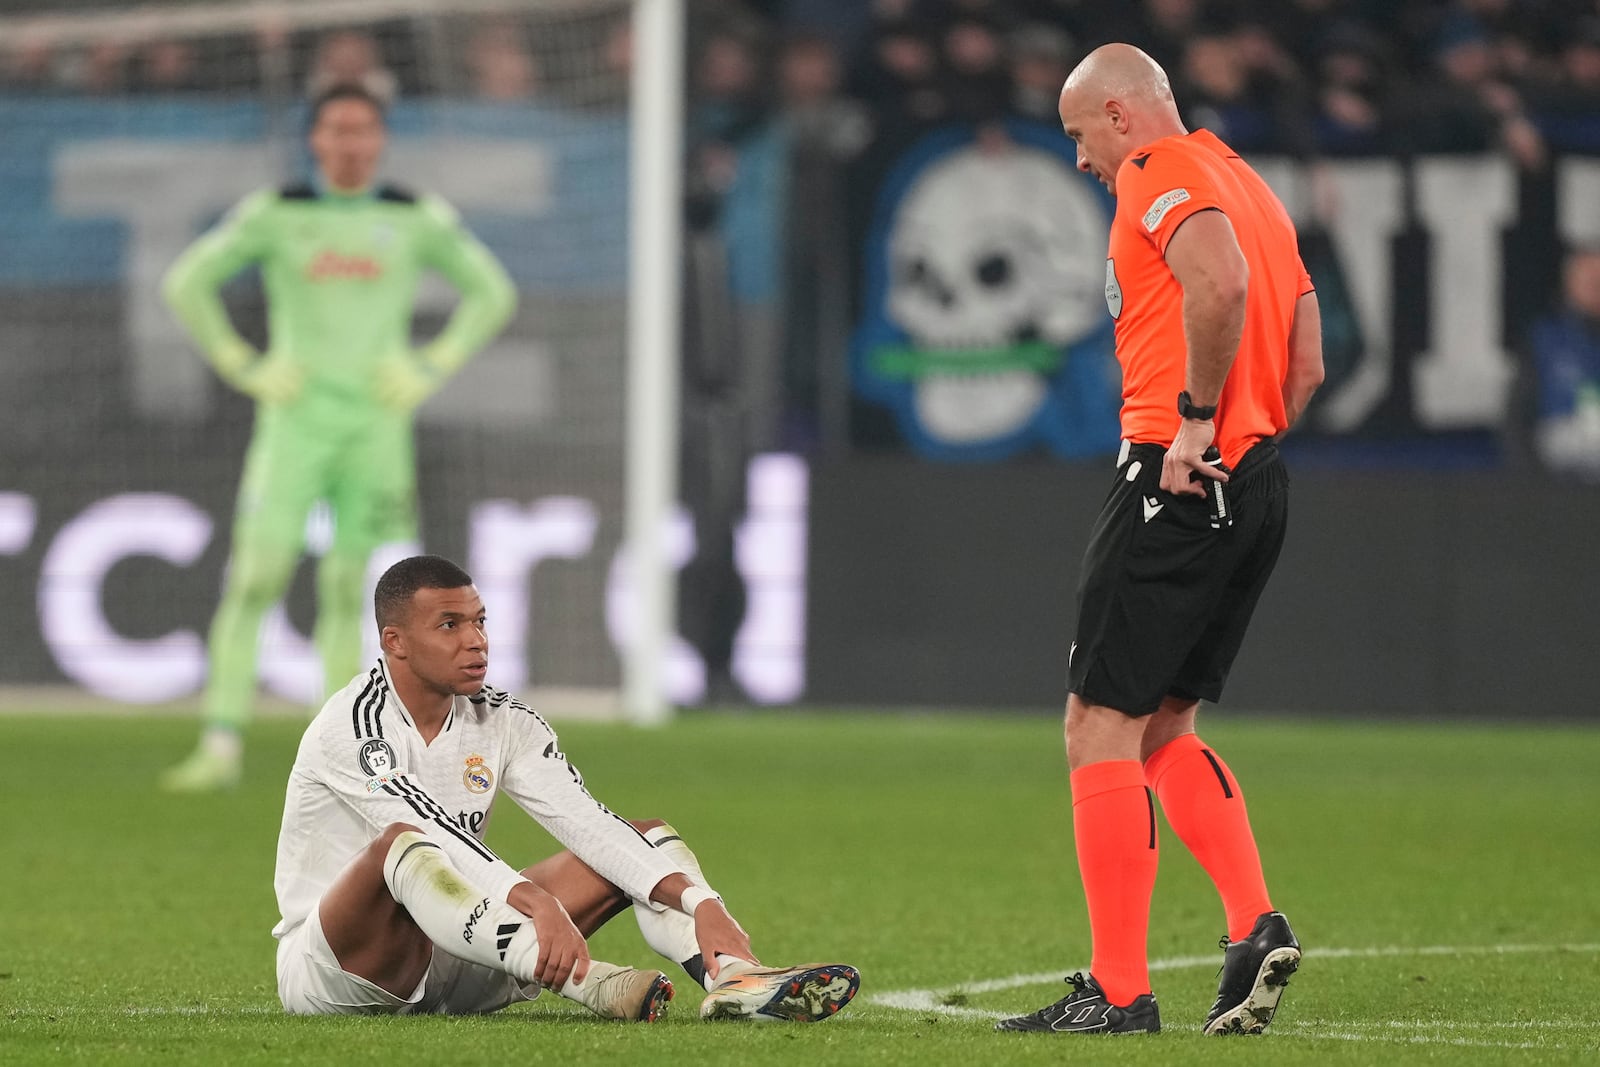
1461,1027
1315,1033
926,1000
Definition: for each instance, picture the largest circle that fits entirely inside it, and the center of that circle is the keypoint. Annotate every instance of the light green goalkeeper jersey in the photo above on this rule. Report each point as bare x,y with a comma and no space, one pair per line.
341,275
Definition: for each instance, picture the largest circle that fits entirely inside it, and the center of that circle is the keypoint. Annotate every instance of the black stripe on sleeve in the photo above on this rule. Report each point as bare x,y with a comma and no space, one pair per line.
430,809
429,812
375,703
388,787
366,714
355,706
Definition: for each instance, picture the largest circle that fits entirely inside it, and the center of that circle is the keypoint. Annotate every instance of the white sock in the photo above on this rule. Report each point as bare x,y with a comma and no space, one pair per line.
587,991
671,932
455,914
670,843
727,967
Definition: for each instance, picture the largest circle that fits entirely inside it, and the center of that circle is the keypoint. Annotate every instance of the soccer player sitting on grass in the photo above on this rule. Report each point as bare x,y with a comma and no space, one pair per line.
392,904
335,390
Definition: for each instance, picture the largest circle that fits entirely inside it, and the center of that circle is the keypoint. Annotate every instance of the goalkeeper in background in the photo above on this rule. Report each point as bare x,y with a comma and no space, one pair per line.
335,390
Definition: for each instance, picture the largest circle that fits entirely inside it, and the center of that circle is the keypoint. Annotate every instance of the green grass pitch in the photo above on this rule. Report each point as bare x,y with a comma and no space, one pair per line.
1442,878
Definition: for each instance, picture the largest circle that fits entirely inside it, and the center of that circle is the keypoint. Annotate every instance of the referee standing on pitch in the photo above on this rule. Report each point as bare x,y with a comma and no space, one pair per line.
1219,337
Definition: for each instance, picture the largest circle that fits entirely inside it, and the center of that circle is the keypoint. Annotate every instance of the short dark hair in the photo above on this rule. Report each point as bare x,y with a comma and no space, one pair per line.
345,91
400,583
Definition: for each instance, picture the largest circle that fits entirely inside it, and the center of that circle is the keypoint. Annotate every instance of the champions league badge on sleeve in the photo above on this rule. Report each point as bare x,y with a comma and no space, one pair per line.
984,327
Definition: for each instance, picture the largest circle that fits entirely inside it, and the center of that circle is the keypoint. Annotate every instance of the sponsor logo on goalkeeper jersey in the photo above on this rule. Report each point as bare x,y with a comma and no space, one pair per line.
330,266
478,778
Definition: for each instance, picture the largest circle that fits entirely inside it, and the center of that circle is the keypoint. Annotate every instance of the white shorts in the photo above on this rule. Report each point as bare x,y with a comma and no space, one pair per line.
311,982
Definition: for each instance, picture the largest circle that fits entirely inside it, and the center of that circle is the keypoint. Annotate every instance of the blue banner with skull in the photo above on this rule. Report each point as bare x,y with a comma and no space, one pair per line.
984,327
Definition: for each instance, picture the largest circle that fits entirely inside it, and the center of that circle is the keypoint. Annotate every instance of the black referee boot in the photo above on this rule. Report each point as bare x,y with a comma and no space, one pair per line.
1254,972
1086,1010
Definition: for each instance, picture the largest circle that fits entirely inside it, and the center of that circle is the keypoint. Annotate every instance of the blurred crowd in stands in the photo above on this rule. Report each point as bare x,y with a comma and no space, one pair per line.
1331,77
795,107
1300,77
582,60
842,87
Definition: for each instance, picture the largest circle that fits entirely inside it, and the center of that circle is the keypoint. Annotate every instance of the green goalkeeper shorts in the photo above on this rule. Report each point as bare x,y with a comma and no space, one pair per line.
365,470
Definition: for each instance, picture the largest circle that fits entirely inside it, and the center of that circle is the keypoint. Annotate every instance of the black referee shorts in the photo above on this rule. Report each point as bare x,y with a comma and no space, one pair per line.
1164,599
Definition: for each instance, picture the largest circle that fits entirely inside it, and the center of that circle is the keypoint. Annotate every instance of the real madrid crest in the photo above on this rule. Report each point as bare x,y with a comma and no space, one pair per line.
478,778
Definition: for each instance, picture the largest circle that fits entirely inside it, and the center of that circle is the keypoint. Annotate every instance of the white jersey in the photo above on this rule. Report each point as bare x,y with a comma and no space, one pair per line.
362,766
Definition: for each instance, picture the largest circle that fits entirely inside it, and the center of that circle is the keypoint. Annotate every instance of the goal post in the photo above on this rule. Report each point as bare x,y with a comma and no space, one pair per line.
654,336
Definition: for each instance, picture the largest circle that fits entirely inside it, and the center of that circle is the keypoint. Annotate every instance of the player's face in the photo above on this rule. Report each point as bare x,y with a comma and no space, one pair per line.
348,140
444,641
1088,121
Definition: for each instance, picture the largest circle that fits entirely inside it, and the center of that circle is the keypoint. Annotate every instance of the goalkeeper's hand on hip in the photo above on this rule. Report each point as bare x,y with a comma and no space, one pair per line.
271,379
403,382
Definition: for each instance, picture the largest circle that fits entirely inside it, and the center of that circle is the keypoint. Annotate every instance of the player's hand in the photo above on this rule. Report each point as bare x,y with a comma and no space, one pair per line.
717,931
271,379
403,382
1183,459
562,949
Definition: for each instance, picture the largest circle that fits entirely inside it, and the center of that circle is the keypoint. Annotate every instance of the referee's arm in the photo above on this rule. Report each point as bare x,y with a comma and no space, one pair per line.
1205,258
1305,356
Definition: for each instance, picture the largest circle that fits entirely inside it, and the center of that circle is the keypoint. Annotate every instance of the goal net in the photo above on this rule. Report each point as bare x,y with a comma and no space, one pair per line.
124,132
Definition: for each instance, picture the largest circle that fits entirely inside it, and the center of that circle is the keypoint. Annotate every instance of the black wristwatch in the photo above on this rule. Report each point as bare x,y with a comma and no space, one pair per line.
1190,410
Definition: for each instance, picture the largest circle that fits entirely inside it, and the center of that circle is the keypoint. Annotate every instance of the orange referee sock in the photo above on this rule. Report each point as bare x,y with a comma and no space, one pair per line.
1206,810
1114,825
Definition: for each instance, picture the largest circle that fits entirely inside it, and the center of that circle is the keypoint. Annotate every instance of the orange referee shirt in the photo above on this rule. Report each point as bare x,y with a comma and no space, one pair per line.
1158,187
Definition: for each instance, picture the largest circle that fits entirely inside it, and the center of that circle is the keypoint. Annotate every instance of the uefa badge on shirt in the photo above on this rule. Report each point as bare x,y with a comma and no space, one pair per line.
478,778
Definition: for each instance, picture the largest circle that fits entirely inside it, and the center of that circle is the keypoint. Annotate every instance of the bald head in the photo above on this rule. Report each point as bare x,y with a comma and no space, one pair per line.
1115,101
1121,71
